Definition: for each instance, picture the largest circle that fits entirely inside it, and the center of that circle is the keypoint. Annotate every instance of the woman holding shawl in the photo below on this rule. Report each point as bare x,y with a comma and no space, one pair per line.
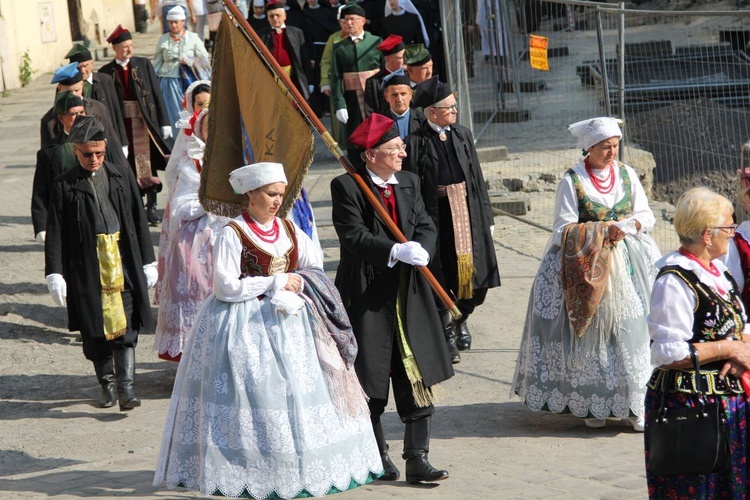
266,403
585,343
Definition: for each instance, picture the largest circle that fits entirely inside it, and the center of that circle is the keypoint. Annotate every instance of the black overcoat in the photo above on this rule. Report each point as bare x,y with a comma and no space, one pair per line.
145,86
299,53
103,90
70,247
422,159
369,287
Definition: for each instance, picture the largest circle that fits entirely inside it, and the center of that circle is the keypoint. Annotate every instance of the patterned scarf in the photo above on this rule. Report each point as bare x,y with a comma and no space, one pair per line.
585,271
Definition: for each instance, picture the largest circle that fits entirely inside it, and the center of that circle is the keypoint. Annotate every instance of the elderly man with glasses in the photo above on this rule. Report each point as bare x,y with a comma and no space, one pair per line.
100,260
442,153
390,304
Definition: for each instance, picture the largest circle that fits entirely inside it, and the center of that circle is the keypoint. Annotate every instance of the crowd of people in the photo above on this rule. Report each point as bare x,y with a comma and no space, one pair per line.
284,374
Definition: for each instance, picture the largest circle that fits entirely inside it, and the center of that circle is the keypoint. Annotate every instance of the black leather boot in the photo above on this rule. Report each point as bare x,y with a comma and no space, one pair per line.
105,373
151,213
416,447
450,338
125,369
463,336
390,471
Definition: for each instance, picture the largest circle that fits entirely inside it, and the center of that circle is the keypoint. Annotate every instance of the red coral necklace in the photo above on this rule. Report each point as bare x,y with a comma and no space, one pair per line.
269,236
604,186
711,268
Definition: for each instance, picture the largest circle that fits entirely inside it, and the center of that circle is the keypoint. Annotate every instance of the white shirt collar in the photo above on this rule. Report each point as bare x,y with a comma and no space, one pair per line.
90,79
400,115
360,37
438,128
380,182
279,30
122,63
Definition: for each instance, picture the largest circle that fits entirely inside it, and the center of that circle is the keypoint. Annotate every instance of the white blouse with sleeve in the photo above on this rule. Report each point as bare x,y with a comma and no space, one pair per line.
566,203
670,321
227,252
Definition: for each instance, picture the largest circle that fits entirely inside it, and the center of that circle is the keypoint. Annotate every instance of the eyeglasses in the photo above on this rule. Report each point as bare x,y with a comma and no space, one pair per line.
394,150
452,106
729,229
89,155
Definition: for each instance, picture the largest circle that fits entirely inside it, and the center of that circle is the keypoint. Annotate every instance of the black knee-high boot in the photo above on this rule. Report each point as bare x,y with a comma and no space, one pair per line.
450,338
390,471
463,336
416,447
151,214
105,373
125,369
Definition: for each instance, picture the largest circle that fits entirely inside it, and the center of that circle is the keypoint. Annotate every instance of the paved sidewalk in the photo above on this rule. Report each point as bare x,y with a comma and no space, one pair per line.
54,442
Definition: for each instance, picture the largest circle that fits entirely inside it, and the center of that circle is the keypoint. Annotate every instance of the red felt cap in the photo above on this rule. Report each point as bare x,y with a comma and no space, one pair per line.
120,34
391,45
374,131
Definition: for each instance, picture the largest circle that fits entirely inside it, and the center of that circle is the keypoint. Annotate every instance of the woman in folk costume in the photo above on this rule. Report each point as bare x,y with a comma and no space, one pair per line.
585,343
180,55
266,403
186,244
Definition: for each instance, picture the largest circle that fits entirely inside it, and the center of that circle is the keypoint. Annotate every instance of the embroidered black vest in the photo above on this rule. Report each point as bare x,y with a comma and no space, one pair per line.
591,211
715,318
257,262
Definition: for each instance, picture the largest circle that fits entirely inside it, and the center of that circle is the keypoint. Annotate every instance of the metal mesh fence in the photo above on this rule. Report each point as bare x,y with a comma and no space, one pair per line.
680,81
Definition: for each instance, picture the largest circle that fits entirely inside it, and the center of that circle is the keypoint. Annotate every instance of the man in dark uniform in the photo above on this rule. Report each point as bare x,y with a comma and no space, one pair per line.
393,55
397,94
355,59
442,153
287,44
146,119
99,87
389,303
97,244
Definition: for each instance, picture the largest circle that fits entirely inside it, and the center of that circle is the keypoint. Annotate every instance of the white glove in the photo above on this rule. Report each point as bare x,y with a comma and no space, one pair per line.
342,115
310,88
151,273
57,288
326,89
125,151
492,230
166,132
40,237
410,253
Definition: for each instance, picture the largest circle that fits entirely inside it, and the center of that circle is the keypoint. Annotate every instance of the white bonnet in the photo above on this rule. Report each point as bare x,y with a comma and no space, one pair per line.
594,130
189,94
253,176
176,13
259,3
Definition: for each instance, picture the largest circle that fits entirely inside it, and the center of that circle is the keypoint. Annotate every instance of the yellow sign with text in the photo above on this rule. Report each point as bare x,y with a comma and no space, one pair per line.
538,52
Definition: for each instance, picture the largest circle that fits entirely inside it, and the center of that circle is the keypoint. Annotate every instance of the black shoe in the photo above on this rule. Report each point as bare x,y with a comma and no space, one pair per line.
418,470
463,336
109,397
390,471
153,216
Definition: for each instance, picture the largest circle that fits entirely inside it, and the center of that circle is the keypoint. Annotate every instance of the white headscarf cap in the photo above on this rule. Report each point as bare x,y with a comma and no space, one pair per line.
595,130
189,94
259,3
253,176
176,13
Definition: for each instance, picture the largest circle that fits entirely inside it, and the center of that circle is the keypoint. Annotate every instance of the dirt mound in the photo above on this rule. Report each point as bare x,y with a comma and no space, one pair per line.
695,143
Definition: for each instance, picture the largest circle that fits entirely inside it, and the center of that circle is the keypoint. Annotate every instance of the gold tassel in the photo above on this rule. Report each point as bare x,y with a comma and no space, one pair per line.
465,276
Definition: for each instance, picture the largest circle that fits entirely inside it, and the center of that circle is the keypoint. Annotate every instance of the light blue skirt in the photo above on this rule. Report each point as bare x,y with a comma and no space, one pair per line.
171,89
251,413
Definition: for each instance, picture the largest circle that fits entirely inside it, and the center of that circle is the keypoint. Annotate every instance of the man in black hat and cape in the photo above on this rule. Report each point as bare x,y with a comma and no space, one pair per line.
99,260
442,153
